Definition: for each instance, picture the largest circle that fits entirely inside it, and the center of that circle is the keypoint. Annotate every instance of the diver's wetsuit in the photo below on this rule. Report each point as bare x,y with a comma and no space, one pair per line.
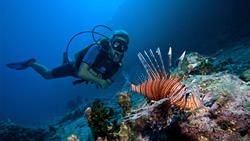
95,57
64,70
71,69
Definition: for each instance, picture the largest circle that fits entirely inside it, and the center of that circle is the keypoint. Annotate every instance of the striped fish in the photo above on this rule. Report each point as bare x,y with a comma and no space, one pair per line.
160,85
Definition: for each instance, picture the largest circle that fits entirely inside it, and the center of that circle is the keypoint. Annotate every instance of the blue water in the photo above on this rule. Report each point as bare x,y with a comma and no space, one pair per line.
41,29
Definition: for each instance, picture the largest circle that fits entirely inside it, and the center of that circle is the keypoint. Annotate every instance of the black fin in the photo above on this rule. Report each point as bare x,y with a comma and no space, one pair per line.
21,65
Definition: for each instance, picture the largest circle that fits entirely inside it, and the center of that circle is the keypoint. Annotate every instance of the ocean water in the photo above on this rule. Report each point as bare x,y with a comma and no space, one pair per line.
42,29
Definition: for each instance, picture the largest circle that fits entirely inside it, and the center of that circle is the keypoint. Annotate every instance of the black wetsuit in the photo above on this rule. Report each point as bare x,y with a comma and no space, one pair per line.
96,57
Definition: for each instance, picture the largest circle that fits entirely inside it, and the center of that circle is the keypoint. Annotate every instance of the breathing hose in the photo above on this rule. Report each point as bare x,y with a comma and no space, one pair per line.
93,33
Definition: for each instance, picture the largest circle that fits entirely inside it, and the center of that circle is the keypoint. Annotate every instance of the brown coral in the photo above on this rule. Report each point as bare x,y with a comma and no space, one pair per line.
124,101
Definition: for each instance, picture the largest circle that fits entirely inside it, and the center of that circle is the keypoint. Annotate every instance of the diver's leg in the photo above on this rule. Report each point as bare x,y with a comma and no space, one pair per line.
58,72
42,70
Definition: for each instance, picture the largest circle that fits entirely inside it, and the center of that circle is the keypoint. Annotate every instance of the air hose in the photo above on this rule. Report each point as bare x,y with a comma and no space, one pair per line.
93,32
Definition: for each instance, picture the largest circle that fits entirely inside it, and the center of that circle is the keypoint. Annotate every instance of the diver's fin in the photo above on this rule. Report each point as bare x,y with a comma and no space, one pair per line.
21,65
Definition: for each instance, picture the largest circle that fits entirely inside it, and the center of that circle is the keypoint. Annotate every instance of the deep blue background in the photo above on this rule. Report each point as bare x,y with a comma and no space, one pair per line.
42,28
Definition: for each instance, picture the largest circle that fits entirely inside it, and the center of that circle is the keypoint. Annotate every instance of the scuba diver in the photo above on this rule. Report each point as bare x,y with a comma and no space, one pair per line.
96,63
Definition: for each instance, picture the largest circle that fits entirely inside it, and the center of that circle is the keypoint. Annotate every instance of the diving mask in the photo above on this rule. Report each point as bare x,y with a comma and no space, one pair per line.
120,45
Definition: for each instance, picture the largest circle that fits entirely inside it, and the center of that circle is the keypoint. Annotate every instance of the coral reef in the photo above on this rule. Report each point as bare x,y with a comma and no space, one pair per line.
102,121
124,100
234,60
12,132
226,116
195,63
245,75
221,82
124,133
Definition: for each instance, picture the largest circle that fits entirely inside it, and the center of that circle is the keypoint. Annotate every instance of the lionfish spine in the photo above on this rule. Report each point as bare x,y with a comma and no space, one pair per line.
158,51
146,65
153,66
181,59
169,60
156,63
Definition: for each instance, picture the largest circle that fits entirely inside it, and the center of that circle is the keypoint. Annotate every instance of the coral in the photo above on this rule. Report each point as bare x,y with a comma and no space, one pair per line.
124,101
124,133
225,115
194,63
224,118
72,138
102,122
245,75
89,114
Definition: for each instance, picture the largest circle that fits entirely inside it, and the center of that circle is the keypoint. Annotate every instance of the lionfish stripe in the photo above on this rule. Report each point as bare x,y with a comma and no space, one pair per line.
177,95
170,85
166,88
165,84
183,102
144,89
161,87
158,88
176,85
178,100
196,100
189,105
178,91
133,87
192,101
148,90
152,89
140,90
175,89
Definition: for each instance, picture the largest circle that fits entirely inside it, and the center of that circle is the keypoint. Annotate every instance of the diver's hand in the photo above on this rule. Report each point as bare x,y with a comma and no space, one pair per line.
105,83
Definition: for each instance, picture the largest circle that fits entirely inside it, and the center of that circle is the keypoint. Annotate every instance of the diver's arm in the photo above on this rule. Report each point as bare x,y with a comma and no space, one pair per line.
85,73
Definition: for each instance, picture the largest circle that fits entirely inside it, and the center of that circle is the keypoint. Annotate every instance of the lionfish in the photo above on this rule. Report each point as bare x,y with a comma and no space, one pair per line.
161,85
